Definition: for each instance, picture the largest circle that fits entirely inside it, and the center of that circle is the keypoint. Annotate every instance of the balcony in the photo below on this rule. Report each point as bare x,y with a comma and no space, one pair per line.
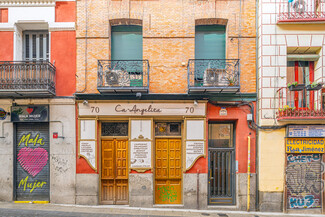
301,11
123,76
27,79
213,75
300,105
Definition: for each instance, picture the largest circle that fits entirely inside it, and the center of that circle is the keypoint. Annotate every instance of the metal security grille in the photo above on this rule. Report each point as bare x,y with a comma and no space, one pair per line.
222,176
36,46
304,181
32,170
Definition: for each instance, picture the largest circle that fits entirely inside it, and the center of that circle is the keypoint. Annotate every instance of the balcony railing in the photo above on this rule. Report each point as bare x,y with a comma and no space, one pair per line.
300,105
23,78
213,75
123,76
301,11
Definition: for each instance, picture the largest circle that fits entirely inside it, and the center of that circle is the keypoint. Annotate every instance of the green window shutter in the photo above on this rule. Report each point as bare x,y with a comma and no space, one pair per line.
210,42
126,43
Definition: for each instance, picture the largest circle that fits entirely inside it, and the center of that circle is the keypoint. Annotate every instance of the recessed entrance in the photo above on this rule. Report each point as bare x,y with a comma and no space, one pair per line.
114,172
168,171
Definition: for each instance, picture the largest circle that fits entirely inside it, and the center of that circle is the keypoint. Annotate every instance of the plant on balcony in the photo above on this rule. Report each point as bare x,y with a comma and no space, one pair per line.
314,86
294,86
286,110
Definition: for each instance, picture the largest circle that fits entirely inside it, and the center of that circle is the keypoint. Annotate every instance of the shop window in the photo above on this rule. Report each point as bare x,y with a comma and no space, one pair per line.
220,135
115,129
168,129
36,45
301,72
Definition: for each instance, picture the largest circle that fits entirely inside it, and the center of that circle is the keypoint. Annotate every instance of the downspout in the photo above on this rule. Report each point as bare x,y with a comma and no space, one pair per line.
257,109
248,172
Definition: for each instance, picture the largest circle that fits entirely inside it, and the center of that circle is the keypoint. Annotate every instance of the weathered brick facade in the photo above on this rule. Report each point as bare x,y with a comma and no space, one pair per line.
168,38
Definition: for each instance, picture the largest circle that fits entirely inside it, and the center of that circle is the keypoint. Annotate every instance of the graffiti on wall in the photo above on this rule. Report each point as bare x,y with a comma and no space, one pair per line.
304,181
167,193
32,160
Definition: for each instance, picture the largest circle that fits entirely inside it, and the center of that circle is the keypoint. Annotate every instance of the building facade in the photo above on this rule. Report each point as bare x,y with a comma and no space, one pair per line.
165,103
37,106
291,105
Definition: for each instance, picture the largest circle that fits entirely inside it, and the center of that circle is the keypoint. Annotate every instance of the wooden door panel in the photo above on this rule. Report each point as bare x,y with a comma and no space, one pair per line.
168,183
114,172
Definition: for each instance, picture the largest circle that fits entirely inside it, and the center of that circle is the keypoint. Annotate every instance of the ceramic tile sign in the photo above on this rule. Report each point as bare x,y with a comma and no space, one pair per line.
140,154
194,150
87,144
306,131
87,150
305,145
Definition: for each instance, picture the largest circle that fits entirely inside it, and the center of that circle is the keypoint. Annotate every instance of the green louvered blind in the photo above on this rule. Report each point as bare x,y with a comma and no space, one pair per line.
210,42
126,42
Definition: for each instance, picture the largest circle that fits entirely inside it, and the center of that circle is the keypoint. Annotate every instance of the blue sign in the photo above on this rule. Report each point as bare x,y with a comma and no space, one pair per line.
3,114
306,131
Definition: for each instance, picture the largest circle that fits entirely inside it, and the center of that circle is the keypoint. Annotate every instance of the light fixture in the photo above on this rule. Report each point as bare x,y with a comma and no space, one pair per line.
85,102
195,102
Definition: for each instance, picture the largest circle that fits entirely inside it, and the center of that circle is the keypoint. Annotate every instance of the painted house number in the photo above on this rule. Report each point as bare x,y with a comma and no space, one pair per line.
94,109
189,109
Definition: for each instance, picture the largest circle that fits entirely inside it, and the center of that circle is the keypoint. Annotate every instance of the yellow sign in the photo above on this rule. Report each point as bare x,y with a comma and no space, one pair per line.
305,145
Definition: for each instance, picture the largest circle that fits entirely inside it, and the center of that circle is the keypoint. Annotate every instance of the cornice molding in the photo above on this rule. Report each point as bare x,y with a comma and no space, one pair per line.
27,3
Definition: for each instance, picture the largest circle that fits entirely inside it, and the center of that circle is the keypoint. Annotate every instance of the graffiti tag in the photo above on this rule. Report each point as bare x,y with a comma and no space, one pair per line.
308,201
27,140
167,193
32,186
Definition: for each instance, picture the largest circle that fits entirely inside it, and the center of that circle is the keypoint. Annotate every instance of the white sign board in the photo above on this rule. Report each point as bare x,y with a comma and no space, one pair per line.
142,109
195,129
140,128
140,154
306,131
88,129
87,150
194,149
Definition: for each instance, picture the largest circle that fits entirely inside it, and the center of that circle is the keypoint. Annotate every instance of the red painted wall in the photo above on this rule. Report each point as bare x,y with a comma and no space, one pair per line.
6,46
239,116
65,12
63,52
4,15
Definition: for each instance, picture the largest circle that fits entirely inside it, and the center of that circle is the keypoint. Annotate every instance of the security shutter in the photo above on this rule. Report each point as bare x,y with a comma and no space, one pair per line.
304,181
32,162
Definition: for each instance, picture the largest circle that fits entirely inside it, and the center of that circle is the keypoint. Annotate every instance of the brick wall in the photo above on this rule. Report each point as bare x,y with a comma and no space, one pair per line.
168,38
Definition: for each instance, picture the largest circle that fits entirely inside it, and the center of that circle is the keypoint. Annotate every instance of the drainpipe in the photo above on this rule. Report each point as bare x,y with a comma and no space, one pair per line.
198,189
248,172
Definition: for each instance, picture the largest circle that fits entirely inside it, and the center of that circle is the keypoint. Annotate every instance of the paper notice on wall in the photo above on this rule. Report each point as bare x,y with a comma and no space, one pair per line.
88,151
194,149
140,154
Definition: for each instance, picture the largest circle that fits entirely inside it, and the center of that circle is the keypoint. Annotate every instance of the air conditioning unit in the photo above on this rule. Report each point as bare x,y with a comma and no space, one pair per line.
210,77
299,6
117,78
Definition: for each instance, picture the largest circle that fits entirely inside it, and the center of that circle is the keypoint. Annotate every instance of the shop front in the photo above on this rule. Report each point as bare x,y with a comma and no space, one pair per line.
142,153
304,146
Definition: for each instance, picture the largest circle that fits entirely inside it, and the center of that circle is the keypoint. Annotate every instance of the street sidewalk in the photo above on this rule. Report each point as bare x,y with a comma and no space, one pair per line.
126,210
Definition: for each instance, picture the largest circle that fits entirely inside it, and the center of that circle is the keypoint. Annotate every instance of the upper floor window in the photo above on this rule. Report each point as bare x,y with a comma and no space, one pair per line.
36,45
210,42
126,43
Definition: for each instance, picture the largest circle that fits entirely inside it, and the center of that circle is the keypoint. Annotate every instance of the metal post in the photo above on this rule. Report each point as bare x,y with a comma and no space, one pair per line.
248,171
198,189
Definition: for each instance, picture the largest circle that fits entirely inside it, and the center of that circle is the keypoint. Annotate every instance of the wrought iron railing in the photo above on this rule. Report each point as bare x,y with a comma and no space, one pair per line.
213,73
301,11
25,76
301,104
123,74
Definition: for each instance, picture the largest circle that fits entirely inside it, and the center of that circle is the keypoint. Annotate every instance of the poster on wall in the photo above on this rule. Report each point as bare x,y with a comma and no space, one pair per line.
140,154
194,150
304,181
32,169
87,150
30,113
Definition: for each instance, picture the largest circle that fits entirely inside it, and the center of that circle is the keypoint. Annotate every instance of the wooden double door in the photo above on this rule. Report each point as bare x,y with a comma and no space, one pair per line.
114,172
168,171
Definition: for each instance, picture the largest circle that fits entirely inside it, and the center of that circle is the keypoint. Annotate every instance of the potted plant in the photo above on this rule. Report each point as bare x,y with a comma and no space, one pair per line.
314,86
294,86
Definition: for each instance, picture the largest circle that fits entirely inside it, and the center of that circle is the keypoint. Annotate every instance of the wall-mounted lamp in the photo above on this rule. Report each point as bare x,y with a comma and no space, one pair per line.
195,103
85,102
